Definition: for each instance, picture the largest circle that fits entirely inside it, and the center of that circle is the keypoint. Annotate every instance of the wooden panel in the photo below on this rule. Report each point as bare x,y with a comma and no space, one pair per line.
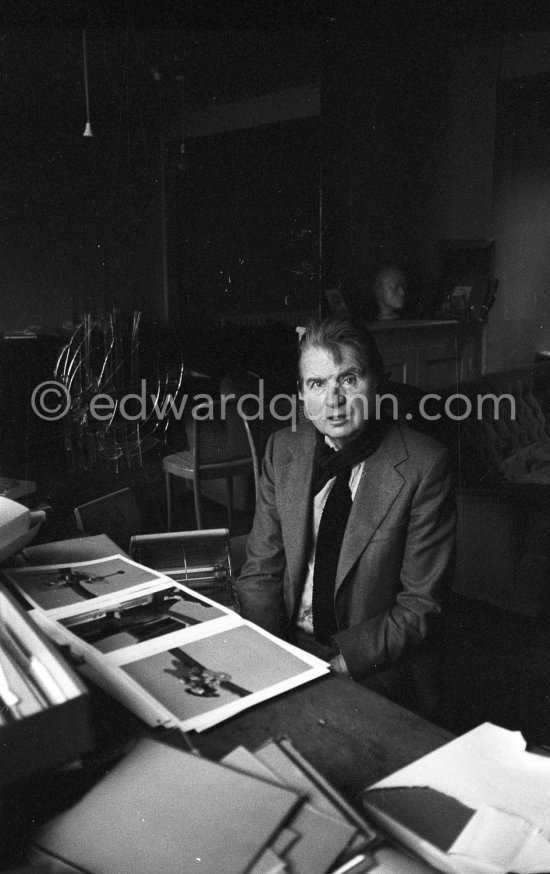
428,354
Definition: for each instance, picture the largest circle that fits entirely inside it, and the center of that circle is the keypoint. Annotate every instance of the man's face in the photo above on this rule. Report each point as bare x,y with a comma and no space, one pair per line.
395,289
337,398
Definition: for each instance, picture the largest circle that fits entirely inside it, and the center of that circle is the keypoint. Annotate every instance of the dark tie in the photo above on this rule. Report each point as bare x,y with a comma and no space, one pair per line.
327,552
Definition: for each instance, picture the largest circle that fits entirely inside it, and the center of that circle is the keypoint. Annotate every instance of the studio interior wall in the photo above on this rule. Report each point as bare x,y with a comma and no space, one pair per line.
80,222
496,182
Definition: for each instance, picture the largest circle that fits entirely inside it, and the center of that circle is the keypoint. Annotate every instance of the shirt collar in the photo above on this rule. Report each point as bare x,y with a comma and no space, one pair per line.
330,442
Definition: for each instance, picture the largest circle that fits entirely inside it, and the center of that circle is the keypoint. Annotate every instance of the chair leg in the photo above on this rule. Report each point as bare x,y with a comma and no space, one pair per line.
138,445
168,502
229,486
197,494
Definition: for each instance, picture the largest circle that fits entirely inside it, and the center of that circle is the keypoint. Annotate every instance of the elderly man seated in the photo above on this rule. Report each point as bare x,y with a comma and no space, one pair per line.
353,536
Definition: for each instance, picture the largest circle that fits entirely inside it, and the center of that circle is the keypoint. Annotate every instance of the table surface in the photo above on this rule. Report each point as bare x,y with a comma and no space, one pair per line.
352,735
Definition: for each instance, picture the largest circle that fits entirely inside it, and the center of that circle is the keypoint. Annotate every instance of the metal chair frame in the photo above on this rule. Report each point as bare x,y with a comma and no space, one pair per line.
230,451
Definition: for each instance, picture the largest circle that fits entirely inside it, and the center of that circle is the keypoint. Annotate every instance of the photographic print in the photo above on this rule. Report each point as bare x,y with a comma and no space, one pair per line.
207,680
174,657
144,619
51,587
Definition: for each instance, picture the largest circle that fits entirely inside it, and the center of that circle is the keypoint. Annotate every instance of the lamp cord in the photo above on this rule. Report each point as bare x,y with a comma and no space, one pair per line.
85,59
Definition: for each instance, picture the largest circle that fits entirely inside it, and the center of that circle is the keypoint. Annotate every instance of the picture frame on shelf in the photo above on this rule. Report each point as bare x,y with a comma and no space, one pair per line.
466,286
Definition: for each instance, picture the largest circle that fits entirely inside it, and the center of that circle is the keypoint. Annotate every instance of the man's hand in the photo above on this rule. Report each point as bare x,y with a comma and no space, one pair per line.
338,665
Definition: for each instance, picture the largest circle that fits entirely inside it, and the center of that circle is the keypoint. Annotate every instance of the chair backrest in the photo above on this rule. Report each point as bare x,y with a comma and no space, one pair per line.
216,433
116,514
219,433
263,413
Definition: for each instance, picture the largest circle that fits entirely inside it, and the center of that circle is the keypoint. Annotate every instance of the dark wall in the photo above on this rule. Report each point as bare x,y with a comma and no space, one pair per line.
80,216
81,223
520,324
385,128
243,221
27,443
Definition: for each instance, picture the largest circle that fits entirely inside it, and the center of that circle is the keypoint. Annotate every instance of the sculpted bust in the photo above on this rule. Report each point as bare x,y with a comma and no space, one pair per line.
390,289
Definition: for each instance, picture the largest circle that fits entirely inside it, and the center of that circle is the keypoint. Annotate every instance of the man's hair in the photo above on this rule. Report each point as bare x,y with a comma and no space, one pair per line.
336,331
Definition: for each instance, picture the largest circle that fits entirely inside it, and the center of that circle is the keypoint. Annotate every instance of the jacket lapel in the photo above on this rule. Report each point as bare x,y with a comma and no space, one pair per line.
296,478
378,488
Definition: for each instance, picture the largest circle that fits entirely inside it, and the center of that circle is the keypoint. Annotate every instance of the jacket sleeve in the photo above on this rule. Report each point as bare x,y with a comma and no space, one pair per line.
375,644
260,584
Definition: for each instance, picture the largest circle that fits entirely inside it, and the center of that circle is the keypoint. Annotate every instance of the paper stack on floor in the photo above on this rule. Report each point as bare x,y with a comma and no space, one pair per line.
165,810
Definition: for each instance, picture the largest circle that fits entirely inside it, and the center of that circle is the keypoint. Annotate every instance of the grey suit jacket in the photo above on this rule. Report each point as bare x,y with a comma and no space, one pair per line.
396,553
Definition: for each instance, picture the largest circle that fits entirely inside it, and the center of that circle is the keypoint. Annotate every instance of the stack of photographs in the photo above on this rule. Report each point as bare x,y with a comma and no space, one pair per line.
173,656
162,809
44,709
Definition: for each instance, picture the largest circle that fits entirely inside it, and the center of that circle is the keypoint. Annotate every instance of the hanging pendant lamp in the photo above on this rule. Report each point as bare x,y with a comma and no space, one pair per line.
88,128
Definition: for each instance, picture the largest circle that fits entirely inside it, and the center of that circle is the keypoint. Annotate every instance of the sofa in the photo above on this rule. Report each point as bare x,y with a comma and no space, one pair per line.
501,464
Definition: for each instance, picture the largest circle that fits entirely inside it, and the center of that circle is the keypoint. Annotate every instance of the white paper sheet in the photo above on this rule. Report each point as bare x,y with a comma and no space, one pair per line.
489,770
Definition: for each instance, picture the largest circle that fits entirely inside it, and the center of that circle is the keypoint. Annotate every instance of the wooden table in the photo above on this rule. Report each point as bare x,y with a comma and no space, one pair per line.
353,736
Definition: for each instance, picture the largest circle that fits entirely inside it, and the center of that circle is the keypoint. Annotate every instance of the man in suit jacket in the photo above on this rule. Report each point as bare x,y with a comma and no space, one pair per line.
353,536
